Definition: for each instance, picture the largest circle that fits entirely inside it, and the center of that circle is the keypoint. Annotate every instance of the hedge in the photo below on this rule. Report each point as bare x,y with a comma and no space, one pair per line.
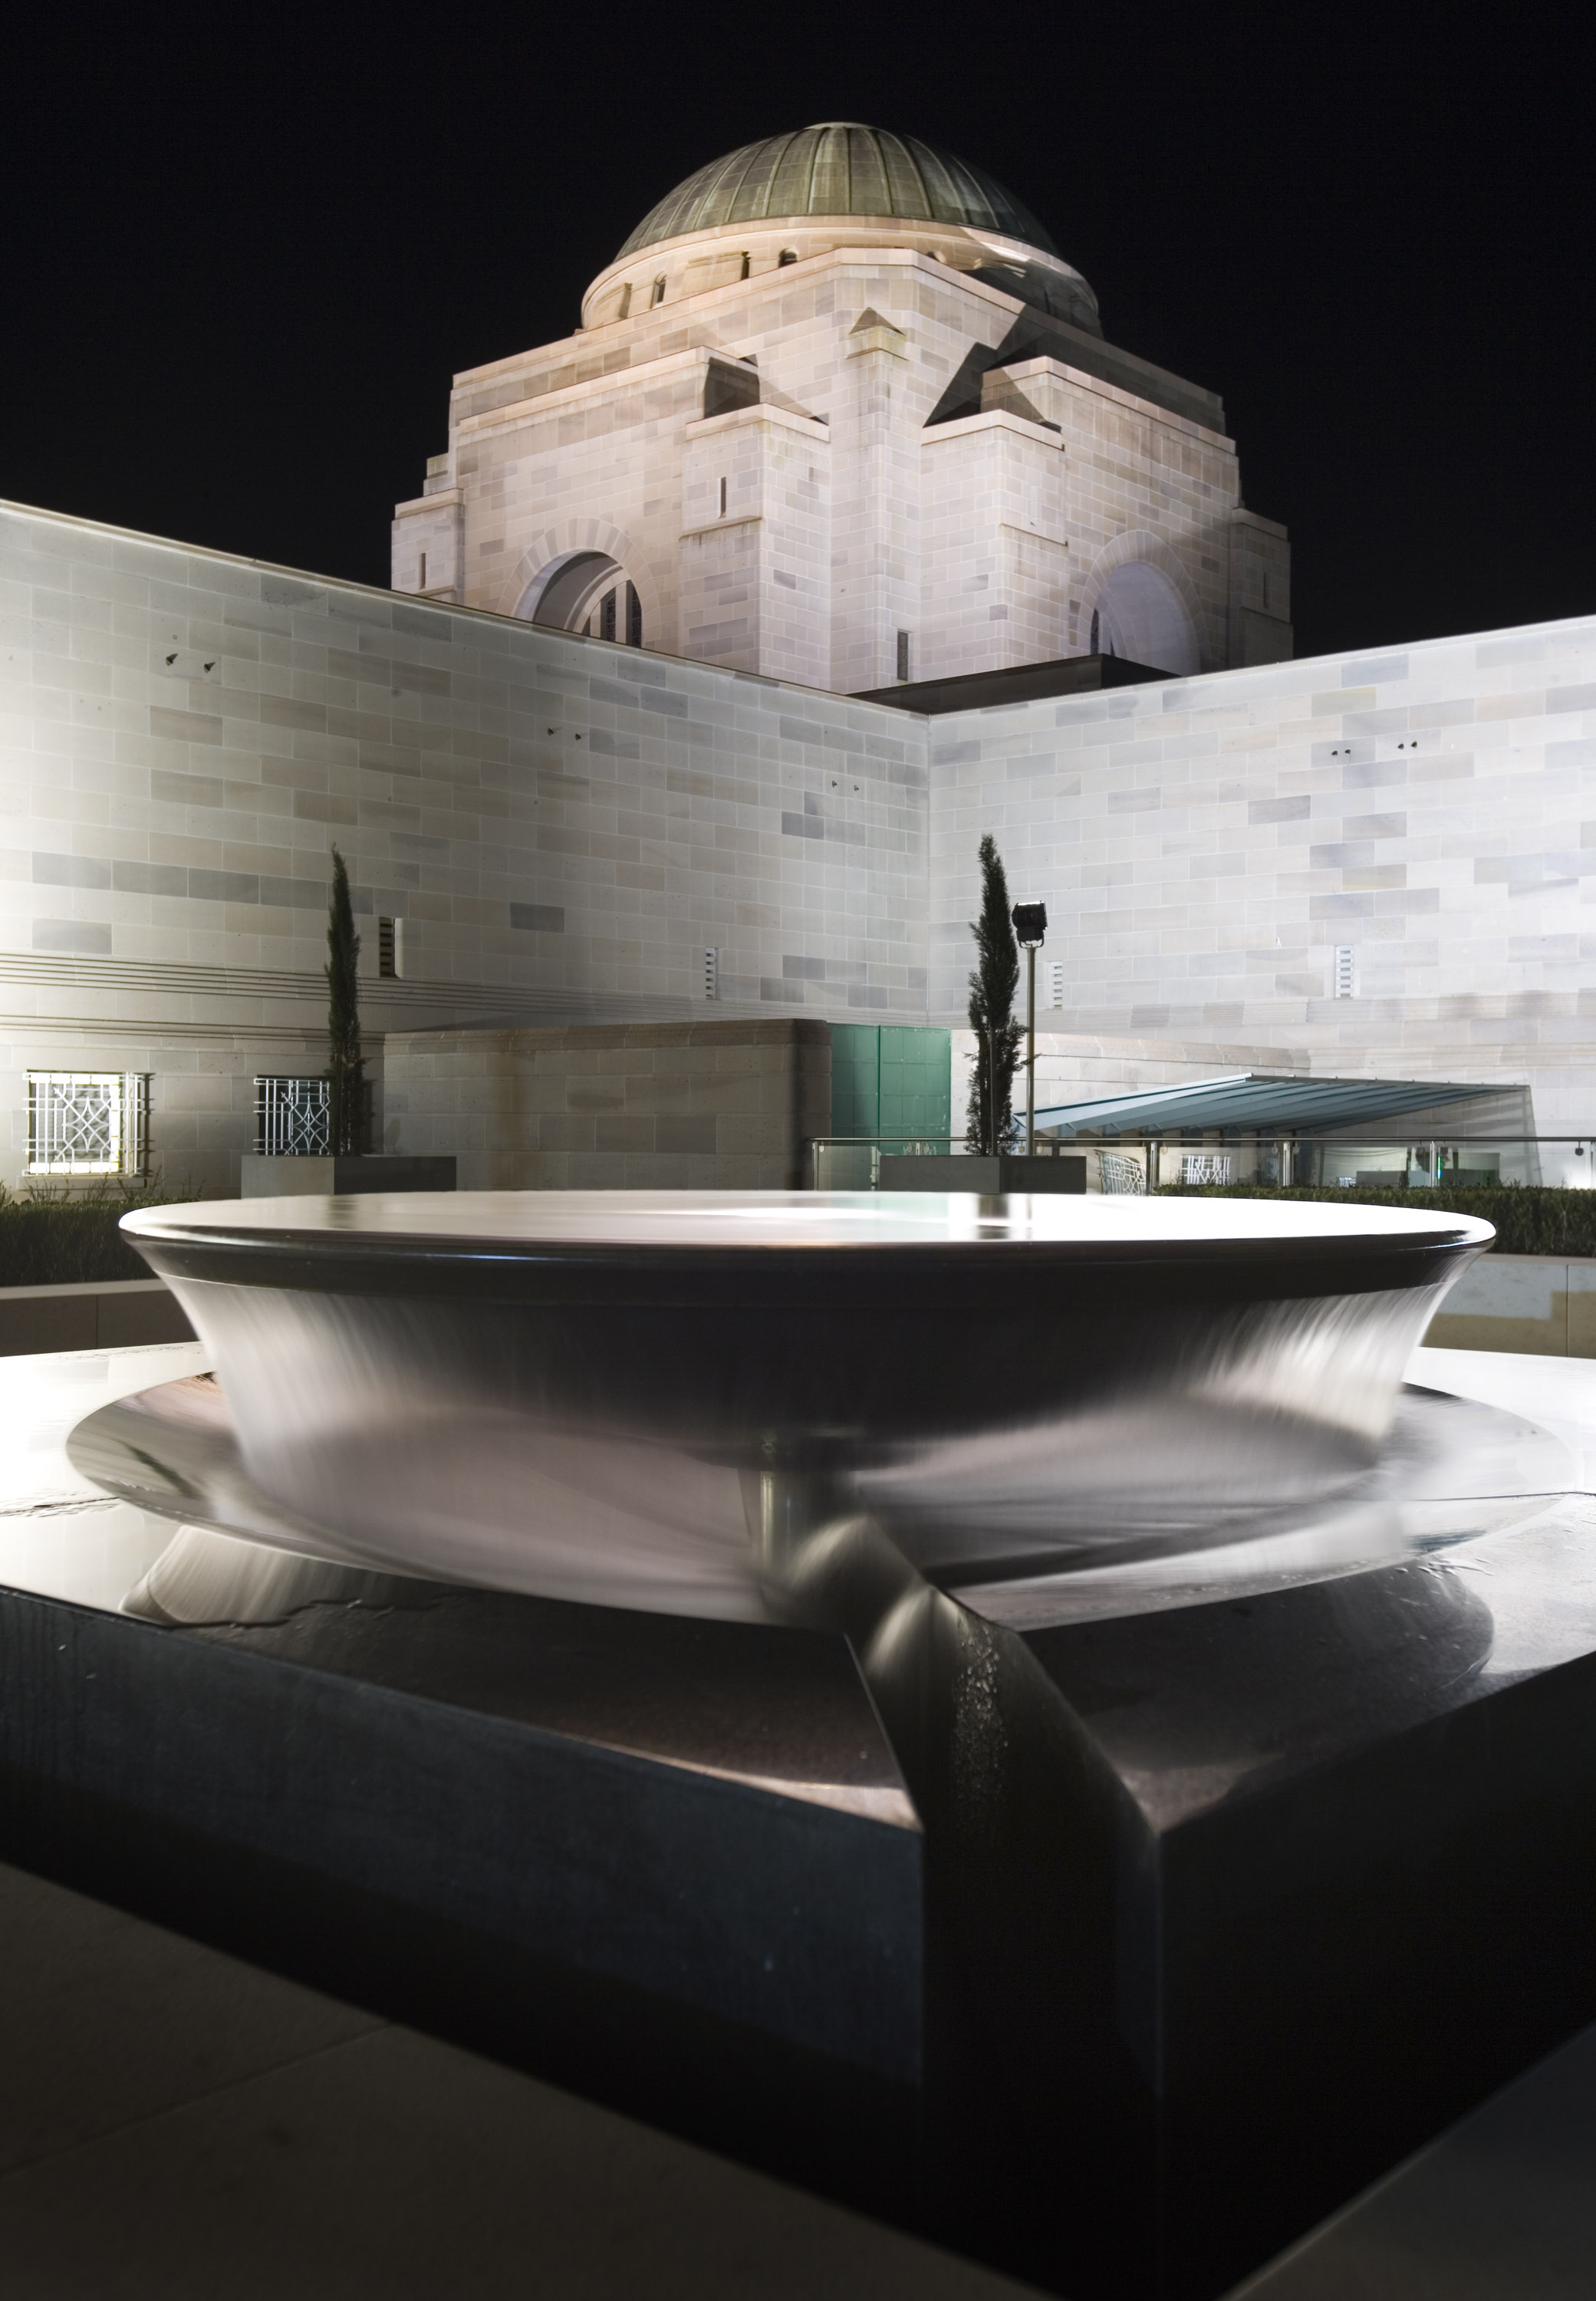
1530,1218
48,1239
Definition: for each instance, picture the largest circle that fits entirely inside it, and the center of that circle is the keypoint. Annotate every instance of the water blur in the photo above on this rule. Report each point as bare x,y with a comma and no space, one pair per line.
567,1402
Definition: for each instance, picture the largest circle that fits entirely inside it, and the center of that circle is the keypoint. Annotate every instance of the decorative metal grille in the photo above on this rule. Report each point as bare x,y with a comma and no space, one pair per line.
88,1122
293,1117
1204,1167
1121,1175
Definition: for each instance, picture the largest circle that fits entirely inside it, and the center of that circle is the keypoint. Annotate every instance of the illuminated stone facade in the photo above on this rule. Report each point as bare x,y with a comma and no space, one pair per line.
848,448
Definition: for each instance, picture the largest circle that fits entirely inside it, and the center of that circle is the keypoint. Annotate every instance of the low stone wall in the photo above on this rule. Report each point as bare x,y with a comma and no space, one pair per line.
614,1105
1539,1303
118,1315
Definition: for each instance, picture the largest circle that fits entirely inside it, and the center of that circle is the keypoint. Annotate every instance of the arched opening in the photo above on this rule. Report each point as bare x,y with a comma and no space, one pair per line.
1141,616
590,592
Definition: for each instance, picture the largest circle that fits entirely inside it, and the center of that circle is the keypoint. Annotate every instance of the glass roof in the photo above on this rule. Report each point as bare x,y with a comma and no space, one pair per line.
1250,1102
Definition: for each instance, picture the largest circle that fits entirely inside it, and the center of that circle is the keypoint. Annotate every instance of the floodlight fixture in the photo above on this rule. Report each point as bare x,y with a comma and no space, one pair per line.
1030,927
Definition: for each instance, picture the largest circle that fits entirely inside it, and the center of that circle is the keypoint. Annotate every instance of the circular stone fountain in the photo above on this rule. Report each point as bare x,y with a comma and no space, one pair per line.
578,1394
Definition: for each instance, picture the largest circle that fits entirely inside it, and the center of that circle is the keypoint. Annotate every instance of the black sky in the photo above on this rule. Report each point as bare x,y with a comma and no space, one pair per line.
244,252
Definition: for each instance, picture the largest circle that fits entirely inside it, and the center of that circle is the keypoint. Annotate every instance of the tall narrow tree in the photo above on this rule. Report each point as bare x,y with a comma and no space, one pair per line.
345,1065
997,1037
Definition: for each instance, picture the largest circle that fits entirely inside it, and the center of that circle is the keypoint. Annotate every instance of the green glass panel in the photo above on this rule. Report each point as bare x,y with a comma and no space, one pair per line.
855,1070
915,1080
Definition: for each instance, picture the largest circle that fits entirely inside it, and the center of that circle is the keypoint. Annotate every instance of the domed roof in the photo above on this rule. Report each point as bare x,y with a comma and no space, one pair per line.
839,168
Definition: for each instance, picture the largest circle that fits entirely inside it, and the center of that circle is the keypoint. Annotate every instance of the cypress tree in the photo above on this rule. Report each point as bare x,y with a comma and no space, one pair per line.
992,986
346,1067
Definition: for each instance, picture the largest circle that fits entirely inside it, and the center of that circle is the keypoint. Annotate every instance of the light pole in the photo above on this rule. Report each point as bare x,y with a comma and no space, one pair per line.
1031,928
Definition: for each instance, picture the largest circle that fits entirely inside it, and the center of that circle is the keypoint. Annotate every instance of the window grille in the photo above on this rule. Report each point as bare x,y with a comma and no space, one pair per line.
1205,1166
903,655
1121,1175
293,1117
1345,975
88,1122
711,974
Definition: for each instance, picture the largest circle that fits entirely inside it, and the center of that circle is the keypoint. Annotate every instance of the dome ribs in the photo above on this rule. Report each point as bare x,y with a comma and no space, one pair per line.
867,175
837,168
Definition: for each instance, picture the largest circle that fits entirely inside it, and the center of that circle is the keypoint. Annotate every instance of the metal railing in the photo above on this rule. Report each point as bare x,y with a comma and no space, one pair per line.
1126,1163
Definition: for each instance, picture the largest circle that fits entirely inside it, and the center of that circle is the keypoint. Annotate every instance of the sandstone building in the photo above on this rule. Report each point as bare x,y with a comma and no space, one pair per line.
839,413
597,763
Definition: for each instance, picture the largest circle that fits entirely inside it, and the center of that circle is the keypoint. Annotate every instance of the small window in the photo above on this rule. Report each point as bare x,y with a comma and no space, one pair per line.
391,948
1345,973
744,263
1097,630
903,655
656,294
624,309
88,1122
421,580
606,616
634,617
722,510
787,255
293,1117
711,974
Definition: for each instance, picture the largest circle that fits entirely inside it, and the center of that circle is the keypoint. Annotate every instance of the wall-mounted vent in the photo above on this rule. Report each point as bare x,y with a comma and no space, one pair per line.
391,947
1055,982
1344,981
903,655
711,974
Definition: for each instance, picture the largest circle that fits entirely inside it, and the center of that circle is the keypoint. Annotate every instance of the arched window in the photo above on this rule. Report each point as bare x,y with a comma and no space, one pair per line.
787,255
1140,616
587,591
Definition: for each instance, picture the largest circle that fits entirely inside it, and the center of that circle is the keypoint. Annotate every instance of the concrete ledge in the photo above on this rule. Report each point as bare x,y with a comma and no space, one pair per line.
118,1315
1544,1303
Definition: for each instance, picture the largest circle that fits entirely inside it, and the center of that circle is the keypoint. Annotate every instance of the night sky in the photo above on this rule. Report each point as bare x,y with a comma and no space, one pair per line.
245,252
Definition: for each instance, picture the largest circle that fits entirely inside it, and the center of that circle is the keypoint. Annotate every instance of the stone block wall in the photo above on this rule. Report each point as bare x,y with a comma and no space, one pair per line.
696,1106
1206,846
982,547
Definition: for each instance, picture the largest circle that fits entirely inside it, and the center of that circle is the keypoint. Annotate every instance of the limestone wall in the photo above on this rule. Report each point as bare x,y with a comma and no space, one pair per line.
1205,845
699,1106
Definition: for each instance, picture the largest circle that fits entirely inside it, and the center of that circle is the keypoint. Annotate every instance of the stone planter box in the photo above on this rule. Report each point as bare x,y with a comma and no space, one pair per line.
1010,1171
283,1178
119,1315
1544,1303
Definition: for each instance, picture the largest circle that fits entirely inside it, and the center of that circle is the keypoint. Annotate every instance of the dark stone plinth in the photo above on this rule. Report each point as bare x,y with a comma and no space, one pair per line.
1273,1891
668,1862
1217,1913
